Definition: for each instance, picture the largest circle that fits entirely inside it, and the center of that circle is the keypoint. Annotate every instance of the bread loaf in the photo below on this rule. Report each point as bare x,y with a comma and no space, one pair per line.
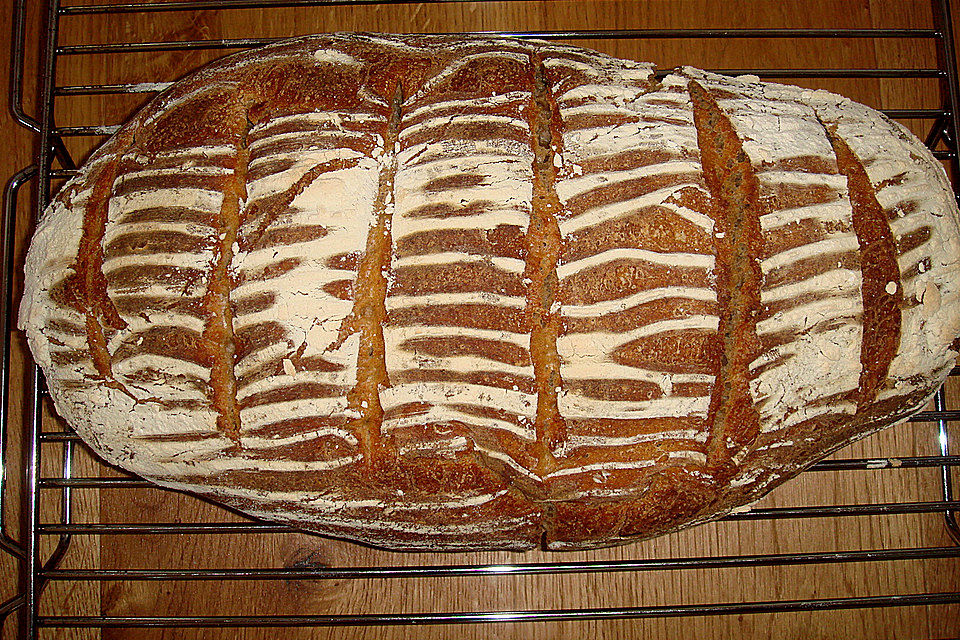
467,293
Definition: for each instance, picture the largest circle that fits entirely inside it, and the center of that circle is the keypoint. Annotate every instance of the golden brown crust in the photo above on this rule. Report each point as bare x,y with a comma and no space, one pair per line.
733,420
441,293
882,292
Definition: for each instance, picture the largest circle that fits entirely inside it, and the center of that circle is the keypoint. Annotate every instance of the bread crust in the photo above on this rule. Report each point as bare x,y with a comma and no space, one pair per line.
465,293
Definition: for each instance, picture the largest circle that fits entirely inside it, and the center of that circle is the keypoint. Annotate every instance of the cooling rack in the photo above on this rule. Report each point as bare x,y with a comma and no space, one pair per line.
173,566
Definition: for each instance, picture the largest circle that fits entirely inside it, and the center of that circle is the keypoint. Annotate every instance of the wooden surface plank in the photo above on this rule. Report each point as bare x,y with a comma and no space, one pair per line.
342,597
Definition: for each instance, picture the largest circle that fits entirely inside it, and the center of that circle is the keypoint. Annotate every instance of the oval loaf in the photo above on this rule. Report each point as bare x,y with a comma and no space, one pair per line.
464,293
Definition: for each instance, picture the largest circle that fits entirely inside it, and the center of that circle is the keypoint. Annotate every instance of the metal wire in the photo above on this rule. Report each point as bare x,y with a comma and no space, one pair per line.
604,34
32,580
773,513
944,461
33,584
555,568
7,543
16,69
38,525
481,617
950,516
232,4
947,60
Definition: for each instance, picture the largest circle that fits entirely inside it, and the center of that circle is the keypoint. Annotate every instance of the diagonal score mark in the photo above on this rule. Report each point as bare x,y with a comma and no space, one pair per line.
732,419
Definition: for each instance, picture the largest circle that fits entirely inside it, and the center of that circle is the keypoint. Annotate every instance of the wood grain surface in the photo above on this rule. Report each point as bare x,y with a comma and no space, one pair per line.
504,592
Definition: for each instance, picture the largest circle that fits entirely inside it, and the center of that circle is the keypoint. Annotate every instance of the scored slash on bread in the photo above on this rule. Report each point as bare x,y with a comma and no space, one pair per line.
443,292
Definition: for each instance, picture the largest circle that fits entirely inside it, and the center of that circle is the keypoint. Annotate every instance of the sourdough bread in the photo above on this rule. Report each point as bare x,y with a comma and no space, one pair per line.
465,293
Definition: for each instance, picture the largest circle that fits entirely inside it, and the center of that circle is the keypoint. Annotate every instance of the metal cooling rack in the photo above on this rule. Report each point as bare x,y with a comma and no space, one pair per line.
53,163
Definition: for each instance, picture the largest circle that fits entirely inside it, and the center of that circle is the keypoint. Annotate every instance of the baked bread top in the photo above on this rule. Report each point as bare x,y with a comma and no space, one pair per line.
445,292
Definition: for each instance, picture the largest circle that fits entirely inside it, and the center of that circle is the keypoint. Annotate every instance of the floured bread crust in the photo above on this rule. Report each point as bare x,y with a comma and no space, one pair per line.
465,293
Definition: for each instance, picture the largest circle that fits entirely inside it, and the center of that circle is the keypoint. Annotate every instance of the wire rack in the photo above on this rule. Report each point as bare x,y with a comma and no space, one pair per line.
60,474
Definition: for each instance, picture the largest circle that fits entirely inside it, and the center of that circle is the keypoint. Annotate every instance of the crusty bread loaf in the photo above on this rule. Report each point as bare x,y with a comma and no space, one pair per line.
463,293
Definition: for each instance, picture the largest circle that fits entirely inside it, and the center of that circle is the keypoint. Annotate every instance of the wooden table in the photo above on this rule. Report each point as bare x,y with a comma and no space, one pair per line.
583,590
